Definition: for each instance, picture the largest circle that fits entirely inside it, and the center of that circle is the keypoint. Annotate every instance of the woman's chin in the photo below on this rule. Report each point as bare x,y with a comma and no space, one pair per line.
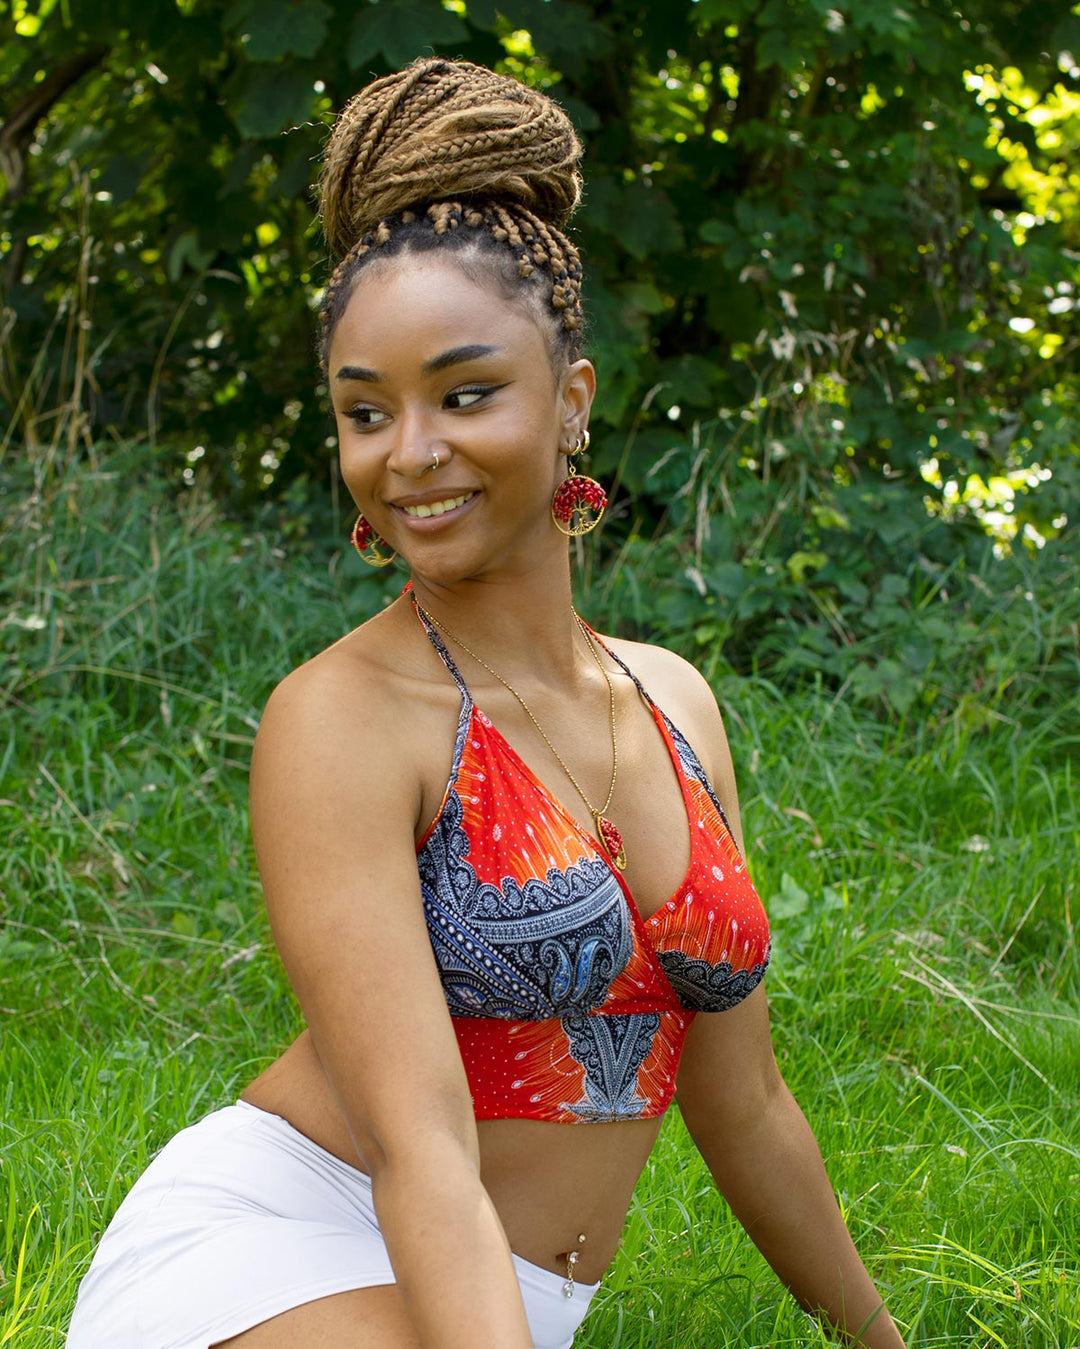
445,561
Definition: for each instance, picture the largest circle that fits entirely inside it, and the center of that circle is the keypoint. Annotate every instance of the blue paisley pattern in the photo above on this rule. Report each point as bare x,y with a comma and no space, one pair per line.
521,952
567,1004
709,988
611,1049
692,765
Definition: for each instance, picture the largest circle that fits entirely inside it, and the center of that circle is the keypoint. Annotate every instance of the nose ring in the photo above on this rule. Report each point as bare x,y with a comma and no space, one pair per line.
433,466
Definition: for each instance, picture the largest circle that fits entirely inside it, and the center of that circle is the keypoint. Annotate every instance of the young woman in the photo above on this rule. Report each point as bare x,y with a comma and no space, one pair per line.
501,854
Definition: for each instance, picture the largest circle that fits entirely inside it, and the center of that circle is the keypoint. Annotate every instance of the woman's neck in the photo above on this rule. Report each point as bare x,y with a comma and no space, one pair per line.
526,627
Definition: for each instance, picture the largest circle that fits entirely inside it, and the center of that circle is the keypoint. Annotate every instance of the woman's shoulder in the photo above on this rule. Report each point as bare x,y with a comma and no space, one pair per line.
349,697
683,694
668,678
347,676
364,727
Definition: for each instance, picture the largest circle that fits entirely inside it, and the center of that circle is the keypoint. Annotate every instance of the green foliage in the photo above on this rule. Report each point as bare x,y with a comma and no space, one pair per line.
833,249
925,989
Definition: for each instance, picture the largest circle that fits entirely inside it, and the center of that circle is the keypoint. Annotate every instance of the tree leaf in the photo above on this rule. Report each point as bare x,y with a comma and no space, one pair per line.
401,30
483,13
565,31
273,29
272,98
727,579
791,899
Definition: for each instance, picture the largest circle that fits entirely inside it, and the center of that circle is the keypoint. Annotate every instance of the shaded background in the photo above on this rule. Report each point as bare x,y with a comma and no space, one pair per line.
832,261
833,264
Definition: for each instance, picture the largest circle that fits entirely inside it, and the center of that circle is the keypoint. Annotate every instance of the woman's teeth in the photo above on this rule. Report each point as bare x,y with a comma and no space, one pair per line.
436,507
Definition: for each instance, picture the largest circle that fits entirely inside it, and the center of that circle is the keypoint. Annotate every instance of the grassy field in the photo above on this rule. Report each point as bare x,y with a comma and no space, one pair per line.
920,877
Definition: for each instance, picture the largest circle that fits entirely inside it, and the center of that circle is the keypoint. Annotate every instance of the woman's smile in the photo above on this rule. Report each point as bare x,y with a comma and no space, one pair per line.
429,513
449,412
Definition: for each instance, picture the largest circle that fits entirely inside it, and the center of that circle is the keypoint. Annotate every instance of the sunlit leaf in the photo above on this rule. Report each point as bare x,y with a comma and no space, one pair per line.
400,30
273,29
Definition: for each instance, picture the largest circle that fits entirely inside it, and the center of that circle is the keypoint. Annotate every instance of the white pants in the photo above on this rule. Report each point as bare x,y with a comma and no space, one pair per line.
241,1217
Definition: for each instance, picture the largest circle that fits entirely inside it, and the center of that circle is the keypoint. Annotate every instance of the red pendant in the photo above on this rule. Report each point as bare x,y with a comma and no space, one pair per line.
612,840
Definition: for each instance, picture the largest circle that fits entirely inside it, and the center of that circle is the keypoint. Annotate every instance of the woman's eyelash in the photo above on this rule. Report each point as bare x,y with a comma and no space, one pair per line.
361,415
366,415
480,390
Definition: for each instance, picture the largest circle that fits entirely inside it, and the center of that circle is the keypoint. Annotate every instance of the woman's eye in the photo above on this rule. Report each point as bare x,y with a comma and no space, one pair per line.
467,398
365,416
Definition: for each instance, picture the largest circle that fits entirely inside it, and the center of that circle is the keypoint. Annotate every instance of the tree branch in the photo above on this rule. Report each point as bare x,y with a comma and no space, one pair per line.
18,127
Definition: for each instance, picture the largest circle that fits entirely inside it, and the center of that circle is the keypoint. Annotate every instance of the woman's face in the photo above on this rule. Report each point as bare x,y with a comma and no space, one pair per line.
426,362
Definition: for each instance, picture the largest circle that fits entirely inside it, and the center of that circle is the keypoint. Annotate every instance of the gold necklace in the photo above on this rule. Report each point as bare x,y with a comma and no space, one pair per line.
610,837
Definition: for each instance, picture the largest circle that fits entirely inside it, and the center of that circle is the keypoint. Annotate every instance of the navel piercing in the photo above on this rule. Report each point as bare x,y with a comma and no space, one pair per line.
571,1258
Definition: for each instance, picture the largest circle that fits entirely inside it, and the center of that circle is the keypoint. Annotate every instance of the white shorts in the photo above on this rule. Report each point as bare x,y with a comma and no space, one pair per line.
241,1217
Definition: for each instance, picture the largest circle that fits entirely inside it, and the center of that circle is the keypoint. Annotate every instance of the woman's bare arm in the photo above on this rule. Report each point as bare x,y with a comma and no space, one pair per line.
766,1163
742,1117
334,800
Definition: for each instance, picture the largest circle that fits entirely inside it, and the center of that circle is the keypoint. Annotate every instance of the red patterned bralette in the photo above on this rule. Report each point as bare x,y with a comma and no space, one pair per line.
567,1004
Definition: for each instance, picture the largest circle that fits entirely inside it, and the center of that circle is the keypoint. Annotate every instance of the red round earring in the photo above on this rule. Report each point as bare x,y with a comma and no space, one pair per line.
579,502
367,543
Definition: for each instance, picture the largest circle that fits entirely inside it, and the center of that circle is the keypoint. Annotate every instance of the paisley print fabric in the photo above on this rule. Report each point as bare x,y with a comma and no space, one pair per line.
567,1005
521,951
709,988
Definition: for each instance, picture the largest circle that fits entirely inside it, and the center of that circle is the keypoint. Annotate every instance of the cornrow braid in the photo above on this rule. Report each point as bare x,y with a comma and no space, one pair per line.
543,254
441,144
445,129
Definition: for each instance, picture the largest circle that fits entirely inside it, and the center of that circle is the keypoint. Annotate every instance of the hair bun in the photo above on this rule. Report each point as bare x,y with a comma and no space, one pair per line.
445,129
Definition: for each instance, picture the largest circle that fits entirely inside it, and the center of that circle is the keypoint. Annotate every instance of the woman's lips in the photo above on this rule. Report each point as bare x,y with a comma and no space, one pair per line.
442,507
428,515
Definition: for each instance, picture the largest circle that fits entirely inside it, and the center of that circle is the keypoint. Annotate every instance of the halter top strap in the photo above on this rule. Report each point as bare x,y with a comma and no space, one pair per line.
444,655
440,647
621,664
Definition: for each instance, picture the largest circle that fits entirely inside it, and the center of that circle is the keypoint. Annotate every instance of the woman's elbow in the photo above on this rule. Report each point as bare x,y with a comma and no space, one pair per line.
732,1110
438,1138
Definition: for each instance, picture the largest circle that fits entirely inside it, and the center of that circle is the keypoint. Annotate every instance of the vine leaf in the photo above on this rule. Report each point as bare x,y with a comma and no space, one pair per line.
271,98
401,30
273,29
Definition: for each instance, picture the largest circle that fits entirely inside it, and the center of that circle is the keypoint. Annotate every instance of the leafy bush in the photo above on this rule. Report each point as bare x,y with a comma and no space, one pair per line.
918,872
852,223
834,253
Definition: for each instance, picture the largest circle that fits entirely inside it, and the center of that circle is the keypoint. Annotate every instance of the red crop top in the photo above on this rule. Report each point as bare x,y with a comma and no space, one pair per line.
567,1005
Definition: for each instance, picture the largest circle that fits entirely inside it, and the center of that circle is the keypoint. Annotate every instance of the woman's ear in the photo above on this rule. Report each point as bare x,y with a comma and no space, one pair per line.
578,391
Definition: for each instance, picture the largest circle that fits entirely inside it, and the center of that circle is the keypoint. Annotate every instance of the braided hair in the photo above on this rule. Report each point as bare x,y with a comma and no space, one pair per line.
449,155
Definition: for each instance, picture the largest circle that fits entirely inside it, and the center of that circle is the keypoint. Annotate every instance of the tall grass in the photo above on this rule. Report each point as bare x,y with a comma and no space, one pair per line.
921,876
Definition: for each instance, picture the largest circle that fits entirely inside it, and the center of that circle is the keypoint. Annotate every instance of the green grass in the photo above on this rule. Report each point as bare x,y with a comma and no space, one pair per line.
921,877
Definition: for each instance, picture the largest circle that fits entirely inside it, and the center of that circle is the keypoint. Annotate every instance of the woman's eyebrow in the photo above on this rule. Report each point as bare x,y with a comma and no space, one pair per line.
359,372
445,359
457,356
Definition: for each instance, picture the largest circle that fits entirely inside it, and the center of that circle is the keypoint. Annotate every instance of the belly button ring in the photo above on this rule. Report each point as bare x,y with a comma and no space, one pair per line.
571,1258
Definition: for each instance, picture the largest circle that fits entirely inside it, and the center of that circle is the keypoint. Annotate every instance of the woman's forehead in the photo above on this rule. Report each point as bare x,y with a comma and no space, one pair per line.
427,304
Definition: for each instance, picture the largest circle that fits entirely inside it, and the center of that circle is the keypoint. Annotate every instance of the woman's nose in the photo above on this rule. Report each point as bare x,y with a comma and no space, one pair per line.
418,448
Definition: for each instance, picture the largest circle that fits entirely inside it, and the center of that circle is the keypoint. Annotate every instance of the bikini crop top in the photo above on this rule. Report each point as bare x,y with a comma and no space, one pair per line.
566,1003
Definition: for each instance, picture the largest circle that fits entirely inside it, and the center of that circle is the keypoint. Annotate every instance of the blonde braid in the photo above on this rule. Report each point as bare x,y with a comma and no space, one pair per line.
536,245
443,129
446,143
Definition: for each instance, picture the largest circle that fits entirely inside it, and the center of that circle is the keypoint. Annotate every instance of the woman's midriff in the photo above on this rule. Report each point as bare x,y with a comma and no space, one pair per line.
548,1182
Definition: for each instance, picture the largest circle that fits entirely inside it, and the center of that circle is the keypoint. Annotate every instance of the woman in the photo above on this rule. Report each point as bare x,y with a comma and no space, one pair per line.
475,776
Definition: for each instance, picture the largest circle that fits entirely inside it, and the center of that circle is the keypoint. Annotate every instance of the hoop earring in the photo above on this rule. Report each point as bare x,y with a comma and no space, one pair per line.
367,543
579,502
